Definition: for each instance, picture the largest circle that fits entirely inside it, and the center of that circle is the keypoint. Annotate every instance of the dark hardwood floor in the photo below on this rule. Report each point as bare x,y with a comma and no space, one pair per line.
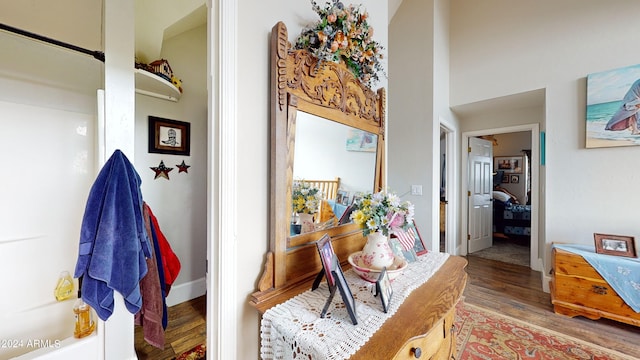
516,291
509,289
186,329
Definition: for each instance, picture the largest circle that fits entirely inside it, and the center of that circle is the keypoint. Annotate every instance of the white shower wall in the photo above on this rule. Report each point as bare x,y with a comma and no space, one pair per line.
49,164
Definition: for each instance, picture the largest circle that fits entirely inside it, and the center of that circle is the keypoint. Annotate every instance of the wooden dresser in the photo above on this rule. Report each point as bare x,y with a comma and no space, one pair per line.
423,326
578,289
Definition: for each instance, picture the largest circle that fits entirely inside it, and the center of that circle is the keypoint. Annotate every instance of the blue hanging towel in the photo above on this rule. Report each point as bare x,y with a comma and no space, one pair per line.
113,239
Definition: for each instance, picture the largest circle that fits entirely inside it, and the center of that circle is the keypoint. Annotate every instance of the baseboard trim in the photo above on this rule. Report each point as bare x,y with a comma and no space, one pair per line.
186,291
546,279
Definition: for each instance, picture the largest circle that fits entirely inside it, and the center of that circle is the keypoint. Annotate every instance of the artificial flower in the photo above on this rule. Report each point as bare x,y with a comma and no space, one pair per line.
383,212
305,198
344,34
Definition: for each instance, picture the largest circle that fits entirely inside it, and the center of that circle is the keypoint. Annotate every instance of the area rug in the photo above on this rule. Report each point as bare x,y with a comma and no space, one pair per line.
197,353
505,251
484,334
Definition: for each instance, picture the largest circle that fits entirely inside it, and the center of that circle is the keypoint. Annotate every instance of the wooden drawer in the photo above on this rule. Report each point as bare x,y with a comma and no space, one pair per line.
578,289
591,293
439,343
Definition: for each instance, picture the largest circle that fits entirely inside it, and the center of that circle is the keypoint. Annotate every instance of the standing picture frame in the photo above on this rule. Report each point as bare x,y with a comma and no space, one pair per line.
345,292
342,197
169,136
616,245
405,238
384,289
327,258
418,246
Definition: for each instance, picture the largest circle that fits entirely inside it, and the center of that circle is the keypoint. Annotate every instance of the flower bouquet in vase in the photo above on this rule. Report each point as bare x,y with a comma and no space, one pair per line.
379,214
305,202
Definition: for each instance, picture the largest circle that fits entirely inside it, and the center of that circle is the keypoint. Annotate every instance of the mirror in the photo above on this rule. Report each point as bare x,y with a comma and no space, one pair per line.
308,99
329,151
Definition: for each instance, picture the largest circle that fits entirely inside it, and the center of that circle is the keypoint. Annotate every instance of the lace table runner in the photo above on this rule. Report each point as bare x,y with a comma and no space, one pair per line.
294,329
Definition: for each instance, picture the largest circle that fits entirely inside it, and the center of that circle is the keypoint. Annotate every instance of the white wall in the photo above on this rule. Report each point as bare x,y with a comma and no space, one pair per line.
499,47
410,126
418,104
180,202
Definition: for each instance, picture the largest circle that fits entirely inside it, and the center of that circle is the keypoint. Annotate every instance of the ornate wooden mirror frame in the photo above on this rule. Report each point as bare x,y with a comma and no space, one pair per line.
331,92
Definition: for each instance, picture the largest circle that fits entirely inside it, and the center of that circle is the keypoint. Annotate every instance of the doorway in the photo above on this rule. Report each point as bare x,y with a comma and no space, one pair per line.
533,130
443,190
448,182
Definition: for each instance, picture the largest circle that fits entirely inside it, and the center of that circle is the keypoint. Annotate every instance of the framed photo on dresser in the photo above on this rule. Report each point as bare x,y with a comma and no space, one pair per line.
325,249
345,292
384,289
616,245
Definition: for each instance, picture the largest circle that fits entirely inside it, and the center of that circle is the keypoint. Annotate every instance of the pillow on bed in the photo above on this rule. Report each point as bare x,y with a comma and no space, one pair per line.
499,195
513,198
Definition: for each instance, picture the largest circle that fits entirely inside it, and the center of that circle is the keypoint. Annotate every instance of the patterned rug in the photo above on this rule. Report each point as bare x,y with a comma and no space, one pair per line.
484,334
197,353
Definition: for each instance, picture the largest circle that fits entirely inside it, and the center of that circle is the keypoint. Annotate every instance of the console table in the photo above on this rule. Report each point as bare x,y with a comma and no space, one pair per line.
422,327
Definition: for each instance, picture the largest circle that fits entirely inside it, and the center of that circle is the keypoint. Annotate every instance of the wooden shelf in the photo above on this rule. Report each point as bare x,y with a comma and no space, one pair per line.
153,85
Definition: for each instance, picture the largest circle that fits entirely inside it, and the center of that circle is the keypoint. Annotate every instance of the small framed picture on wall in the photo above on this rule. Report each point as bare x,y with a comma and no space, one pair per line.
509,164
514,179
169,136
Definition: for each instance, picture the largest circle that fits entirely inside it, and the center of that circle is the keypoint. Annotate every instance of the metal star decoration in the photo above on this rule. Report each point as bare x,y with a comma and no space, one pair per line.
183,167
161,171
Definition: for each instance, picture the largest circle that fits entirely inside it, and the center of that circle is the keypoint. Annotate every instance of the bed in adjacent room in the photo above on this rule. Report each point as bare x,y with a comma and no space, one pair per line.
510,218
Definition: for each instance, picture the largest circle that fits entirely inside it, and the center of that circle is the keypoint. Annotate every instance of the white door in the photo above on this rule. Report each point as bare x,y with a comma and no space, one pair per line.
480,231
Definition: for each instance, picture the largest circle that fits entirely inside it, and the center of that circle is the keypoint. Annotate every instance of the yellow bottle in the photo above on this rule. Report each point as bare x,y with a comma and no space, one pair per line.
84,316
64,288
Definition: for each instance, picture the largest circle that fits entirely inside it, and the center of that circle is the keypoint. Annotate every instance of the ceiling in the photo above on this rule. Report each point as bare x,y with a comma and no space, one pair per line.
393,7
155,21
79,22
158,20
534,98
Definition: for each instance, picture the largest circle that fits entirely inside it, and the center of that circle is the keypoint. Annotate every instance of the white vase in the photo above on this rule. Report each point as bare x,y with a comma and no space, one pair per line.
306,222
377,253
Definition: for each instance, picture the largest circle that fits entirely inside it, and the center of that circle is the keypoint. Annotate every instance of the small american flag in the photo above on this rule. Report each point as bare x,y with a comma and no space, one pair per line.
406,238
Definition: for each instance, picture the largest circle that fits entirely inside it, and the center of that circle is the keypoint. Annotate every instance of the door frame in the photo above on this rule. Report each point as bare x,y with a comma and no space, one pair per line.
451,208
535,260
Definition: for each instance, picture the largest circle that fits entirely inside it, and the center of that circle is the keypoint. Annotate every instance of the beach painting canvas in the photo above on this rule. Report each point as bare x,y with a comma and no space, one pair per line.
613,108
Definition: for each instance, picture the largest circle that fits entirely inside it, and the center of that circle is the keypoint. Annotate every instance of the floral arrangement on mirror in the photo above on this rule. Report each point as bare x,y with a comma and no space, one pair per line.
382,212
306,198
344,34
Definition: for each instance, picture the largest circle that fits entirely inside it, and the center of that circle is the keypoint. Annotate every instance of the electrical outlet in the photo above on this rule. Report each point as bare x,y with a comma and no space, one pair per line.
416,189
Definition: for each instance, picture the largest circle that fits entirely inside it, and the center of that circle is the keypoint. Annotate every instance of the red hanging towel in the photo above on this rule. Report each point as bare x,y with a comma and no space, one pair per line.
170,262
